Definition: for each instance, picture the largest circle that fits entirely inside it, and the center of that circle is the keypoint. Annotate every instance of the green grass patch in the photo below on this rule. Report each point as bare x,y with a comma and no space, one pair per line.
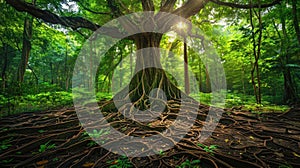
247,102
37,102
58,99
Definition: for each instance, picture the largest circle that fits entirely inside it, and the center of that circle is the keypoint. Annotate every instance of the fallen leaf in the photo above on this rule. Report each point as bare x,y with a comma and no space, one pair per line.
295,154
115,162
251,137
226,140
279,154
88,164
42,162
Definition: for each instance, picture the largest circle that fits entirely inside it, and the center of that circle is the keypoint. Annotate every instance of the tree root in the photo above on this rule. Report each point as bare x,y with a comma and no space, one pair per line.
243,140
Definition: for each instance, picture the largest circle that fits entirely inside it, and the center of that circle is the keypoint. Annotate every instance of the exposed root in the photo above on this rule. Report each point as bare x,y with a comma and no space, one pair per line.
243,140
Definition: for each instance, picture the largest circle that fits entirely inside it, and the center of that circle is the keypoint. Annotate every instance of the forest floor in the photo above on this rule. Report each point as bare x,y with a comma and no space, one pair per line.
55,138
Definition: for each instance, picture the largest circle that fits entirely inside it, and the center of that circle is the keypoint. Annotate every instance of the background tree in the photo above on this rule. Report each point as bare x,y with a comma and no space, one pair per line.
144,40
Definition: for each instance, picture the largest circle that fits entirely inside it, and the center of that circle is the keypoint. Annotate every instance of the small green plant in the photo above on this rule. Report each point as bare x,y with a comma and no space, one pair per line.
161,152
97,134
103,96
189,164
285,166
7,160
85,135
209,149
55,159
92,143
4,129
41,131
122,162
123,129
5,144
46,146
257,112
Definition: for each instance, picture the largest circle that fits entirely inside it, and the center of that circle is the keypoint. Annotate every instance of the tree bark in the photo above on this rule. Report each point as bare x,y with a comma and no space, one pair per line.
66,68
51,73
121,71
4,67
295,20
289,90
255,77
27,35
131,60
259,52
186,71
207,81
200,76
149,74
289,95
34,74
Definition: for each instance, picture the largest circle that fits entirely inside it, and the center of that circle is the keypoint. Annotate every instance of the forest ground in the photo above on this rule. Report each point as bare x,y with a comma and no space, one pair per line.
55,138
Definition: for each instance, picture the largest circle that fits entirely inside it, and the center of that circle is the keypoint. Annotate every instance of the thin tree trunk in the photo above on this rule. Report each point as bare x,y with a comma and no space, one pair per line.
186,71
207,81
66,71
4,68
131,60
243,80
27,34
34,74
121,71
200,76
295,20
57,77
259,53
255,76
289,89
51,73
91,65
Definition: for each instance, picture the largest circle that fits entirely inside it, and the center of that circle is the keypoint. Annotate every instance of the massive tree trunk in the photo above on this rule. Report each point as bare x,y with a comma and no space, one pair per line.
148,71
149,75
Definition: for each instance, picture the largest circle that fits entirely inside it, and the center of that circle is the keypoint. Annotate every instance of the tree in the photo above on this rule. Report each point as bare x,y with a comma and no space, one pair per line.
147,79
256,52
295,20
27,35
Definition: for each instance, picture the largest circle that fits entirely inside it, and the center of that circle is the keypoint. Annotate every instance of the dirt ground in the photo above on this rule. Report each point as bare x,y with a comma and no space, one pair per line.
55,138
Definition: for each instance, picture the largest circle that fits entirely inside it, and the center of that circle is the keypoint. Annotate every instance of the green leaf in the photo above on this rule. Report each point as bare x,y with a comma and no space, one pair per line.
295,66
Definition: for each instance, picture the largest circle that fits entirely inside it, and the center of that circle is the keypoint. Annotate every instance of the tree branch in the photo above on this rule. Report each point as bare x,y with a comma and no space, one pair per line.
124,7
247,6
90,10
72,22
168,6
47,16
190,8
114,8
148,5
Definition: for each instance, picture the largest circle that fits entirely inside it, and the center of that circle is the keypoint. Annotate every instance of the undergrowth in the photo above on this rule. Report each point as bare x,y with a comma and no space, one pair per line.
57,99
